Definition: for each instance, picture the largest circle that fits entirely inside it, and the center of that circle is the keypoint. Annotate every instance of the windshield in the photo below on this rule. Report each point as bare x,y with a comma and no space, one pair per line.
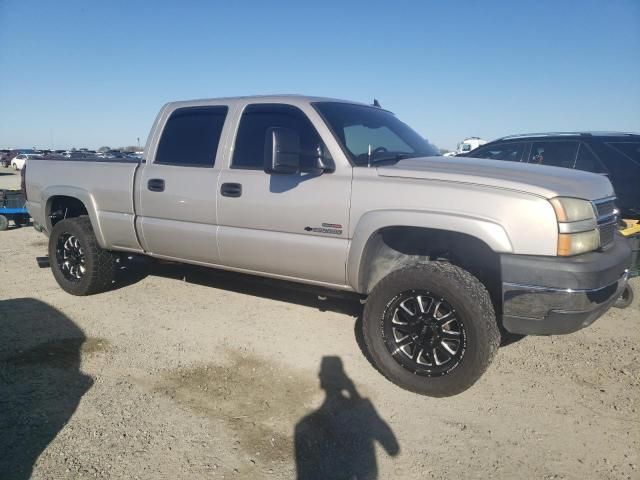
370,134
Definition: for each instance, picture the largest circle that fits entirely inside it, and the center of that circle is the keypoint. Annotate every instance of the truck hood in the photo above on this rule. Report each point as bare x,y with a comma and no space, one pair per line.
541,180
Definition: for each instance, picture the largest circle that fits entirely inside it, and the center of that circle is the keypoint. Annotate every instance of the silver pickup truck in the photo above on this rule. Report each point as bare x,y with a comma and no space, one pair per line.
447,252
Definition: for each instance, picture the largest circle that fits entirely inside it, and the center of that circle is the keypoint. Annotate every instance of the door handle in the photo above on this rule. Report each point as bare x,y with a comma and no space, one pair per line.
156,185
231,189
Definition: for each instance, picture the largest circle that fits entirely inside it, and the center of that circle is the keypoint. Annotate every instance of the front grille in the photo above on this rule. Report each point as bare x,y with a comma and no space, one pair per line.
607,220
607,233
606,207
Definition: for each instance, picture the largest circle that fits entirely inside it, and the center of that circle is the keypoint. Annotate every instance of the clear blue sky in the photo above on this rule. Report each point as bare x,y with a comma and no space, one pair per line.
86,74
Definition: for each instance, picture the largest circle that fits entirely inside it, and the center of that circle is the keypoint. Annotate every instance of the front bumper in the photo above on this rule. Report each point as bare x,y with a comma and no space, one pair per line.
567,294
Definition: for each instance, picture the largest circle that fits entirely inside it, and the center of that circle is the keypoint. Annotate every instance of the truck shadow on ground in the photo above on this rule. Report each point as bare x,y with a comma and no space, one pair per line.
135,269
338,439
40,381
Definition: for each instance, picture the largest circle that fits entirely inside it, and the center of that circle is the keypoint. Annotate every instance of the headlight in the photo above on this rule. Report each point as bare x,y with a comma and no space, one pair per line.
575,243
572,209
577,226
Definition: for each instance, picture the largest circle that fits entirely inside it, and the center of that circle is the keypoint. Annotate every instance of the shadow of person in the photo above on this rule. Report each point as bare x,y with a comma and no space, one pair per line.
40,381
337,440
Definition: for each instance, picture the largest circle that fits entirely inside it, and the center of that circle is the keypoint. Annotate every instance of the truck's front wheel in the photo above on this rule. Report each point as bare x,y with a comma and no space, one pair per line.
79,264
431,328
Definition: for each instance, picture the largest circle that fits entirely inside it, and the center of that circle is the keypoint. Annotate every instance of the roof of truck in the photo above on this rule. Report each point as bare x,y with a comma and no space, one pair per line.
288,98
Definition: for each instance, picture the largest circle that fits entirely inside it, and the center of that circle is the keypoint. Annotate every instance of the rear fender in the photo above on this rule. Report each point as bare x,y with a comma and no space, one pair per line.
80,194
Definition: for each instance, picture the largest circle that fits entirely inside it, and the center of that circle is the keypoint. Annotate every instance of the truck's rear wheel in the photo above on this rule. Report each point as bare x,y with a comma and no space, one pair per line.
431,328
79,264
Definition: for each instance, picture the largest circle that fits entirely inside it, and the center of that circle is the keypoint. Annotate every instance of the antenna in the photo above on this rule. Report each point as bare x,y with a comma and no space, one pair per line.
376,103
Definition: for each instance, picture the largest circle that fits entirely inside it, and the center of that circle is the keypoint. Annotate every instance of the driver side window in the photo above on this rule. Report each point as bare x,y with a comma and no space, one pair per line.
257,119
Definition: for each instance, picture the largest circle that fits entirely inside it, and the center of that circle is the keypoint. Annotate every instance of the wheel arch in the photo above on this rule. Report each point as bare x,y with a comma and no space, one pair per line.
380,247
69,202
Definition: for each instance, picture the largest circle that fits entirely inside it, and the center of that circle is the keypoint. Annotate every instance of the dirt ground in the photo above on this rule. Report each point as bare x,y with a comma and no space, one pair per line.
186,373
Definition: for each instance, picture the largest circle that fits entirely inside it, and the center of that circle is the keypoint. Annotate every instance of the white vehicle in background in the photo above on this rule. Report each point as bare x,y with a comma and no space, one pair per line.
468,144
18,161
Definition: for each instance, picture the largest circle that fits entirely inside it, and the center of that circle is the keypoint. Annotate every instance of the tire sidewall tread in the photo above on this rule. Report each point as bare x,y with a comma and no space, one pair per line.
100,263
466,294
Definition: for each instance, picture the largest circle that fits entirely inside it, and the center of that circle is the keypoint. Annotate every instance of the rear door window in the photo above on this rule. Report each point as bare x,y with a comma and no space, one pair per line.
191,136
556,154
631,150
511,151
588,161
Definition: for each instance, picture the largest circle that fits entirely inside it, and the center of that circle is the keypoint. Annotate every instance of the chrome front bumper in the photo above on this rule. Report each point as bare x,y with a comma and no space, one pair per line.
538,310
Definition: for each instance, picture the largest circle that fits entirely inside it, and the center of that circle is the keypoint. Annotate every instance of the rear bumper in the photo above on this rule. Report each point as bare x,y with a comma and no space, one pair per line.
568,293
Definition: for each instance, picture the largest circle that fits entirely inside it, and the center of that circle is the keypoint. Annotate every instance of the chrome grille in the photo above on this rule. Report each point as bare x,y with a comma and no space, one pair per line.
607,233
607,219
606,207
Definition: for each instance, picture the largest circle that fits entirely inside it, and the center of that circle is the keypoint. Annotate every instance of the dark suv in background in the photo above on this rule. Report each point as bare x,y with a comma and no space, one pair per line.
616,155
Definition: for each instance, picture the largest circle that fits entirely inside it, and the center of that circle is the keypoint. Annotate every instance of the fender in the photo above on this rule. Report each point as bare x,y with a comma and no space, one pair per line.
79,193
483,229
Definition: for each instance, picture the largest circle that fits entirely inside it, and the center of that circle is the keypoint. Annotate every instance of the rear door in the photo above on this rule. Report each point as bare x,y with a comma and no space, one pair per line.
289,225
176,189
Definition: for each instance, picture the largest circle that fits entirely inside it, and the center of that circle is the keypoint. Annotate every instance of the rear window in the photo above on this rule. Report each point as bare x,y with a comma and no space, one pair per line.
190,137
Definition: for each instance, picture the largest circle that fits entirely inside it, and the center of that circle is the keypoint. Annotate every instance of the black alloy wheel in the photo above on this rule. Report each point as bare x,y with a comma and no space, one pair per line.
70,257
424,333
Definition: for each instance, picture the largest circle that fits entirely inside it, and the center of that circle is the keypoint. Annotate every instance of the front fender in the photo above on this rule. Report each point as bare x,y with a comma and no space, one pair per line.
485,230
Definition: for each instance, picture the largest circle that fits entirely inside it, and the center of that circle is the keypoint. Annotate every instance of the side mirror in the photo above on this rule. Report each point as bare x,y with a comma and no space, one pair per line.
322,163
281,151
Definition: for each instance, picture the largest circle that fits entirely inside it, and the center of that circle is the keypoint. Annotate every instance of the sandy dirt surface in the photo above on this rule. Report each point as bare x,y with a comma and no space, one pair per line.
187,373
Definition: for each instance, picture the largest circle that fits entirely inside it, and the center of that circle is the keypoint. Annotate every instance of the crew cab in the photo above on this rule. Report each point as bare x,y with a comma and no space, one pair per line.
446,252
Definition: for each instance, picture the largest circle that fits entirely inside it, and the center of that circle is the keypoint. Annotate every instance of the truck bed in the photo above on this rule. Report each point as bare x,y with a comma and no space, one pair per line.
106,190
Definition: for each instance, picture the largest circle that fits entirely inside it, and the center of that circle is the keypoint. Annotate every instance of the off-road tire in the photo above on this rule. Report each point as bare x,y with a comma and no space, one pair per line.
100,264
471,302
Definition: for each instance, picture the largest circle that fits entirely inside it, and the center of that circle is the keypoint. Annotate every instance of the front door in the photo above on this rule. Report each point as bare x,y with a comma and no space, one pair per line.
176,202
289,225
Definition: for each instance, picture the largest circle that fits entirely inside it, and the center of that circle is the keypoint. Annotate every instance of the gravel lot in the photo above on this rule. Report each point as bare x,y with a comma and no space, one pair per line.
186,373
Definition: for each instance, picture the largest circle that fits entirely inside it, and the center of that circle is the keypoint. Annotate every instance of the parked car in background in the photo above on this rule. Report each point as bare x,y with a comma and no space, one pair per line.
21,151
467,145
616,155
18,161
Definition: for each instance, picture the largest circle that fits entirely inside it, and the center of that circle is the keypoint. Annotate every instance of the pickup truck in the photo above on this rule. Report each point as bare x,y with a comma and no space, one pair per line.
446,253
